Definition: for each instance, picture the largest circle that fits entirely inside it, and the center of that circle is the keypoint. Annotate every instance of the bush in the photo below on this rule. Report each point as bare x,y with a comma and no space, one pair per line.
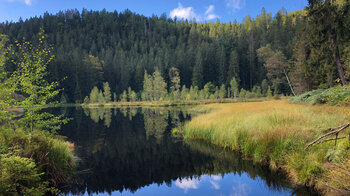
20,175
52,156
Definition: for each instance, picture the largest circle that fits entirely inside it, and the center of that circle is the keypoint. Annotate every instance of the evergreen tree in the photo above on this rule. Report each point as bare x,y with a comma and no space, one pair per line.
197,78
100,97
242,93
159,86
264,87
124,96
107,92
234,87
222,92
147,87
94,95
175,82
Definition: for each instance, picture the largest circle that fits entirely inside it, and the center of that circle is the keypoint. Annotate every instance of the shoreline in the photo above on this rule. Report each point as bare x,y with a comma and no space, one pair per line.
267,137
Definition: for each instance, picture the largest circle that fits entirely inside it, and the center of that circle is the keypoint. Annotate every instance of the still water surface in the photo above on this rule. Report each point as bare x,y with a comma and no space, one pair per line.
132,152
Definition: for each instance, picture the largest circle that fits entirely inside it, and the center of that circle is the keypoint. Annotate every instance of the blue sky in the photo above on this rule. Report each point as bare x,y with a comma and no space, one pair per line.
202,10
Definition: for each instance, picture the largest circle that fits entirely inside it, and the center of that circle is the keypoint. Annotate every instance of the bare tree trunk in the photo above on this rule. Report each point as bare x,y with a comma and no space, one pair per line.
339,65
290,85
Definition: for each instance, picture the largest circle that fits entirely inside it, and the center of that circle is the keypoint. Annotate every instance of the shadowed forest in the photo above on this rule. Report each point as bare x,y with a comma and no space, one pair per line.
93,47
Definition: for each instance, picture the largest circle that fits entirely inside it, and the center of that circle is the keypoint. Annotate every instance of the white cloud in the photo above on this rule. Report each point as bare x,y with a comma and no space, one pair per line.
235,5
183,13
209,10
189,13
187,184
27,2
209,13
216,185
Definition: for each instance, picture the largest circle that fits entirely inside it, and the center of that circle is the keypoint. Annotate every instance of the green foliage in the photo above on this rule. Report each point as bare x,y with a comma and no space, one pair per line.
132,95
222,92
242,93
50,160
86,100
175,82
264,87
20,176
269,92
28,80
339,95
94,95
175,132
124,97
100,97
234,88
147,88
159,86
115,97
107,92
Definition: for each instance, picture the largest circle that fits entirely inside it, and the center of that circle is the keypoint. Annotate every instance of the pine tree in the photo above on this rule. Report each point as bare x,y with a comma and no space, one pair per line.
197,78
147,87
159,86
264,87
242,93
107,92
124,96
222,92
94,95
100,97
234,87
175,82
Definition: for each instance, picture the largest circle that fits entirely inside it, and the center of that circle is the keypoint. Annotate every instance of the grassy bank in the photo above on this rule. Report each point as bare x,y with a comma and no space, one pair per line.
32,164
276,133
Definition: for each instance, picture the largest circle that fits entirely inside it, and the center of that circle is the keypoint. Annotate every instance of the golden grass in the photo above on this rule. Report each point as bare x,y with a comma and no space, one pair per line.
271,132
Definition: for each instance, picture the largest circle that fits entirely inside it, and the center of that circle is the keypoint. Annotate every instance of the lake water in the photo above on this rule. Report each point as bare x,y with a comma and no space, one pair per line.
132,152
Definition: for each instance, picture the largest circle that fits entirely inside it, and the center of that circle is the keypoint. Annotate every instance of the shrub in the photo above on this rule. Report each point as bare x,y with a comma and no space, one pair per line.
20,175
339,95
52,156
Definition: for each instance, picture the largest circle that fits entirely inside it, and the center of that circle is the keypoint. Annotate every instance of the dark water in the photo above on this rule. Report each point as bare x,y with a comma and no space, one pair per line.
132,152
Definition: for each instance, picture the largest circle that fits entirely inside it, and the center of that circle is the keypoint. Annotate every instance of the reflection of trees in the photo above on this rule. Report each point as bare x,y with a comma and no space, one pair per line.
156,122
124,156
97,114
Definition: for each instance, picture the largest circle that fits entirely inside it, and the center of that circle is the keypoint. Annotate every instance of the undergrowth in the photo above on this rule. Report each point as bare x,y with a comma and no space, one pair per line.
339,95
33,163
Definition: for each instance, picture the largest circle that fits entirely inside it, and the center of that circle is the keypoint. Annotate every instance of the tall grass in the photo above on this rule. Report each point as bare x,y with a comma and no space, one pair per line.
271,132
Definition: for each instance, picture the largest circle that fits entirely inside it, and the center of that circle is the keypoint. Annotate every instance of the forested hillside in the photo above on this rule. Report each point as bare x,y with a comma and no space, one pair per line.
93,47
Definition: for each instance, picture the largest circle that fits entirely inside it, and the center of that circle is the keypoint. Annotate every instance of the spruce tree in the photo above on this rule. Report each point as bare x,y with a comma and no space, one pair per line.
107,92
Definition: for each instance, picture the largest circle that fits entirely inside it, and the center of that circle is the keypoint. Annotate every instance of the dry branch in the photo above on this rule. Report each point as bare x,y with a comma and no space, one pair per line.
326,140
336,131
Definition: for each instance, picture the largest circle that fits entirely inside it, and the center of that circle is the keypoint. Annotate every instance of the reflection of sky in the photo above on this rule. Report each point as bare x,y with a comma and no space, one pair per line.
228,185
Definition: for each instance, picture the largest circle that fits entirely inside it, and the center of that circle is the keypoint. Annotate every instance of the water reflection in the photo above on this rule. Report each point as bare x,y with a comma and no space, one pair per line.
131,150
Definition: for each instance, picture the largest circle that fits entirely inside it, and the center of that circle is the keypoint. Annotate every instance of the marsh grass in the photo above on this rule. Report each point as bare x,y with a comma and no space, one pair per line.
271,132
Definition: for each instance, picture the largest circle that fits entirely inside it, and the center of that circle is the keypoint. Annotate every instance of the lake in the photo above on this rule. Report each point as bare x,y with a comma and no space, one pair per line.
130,151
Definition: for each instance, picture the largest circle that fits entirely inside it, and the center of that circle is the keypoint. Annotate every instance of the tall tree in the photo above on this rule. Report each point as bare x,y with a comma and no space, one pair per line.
175,82
107,92
326,21
29,81
276,65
